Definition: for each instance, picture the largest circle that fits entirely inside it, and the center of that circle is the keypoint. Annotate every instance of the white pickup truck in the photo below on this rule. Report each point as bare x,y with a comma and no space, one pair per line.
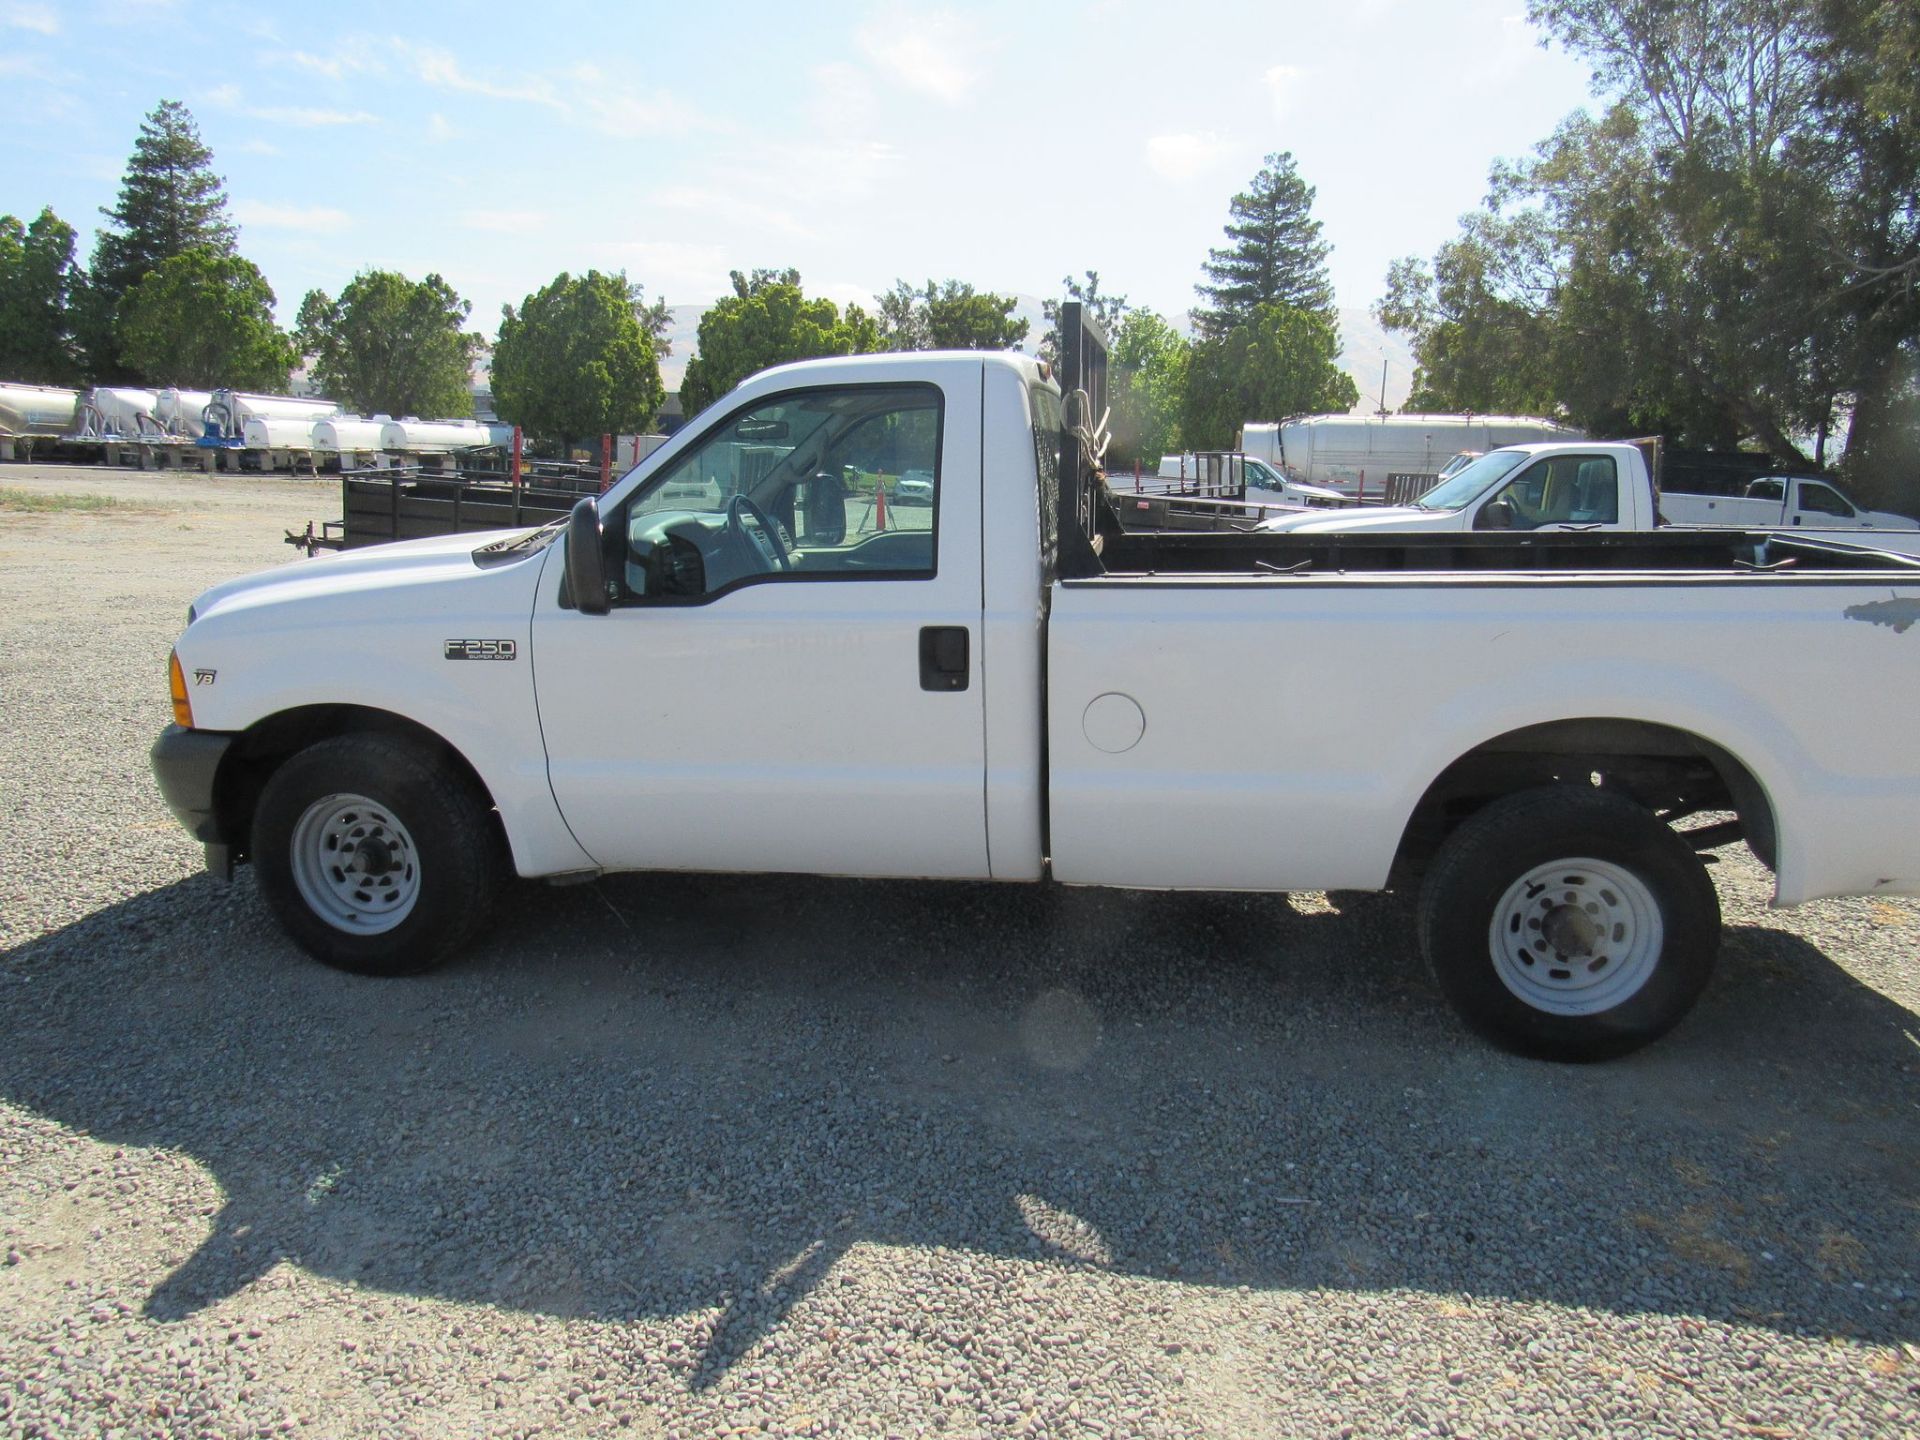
1782,502
1590,485
710,669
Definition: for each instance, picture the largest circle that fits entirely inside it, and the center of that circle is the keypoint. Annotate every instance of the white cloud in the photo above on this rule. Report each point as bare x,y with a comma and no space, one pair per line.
506,222
740,212
1283,85
1182,157
622,111
443,70
440,129
935,52
310,117
256,147
312,219
37,18
230,97
333,67
670,267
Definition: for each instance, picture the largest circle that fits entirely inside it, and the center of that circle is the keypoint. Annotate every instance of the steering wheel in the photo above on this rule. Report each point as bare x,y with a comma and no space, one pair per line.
768,546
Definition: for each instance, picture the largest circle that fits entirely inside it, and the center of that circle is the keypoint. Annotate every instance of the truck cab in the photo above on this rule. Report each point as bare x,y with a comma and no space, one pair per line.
1548,486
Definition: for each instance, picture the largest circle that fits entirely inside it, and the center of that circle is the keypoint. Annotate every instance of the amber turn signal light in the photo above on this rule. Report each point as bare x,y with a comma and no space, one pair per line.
177,681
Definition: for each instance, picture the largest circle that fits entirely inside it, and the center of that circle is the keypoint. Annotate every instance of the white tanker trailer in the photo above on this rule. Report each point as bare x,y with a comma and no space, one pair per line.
433,437
37,409
182,412
1363,455
348,434
118,412
228,412
277,432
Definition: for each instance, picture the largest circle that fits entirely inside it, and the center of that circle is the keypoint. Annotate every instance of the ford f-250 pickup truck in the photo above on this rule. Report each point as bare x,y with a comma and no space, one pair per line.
1596,485
708,669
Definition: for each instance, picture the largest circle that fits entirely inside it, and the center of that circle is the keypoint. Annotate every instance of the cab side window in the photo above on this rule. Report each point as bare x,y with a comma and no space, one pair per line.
839,482
1563,490
1824,500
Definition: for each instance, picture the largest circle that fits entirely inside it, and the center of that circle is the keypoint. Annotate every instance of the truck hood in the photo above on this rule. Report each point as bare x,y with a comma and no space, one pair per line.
398,566
1392,517
1887,520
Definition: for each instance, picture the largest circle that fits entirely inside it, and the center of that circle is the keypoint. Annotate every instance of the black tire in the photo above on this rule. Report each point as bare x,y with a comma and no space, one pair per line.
1513,839
446,852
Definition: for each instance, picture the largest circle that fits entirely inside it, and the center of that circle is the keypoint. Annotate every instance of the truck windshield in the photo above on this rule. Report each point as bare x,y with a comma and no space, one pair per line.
1470,482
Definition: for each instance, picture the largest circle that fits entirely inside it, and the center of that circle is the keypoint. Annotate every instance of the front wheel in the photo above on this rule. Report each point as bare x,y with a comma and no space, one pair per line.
374,855
1569,924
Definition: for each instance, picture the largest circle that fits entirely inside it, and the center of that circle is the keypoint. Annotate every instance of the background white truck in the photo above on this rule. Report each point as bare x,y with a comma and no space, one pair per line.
1781,502
1011,687
1592,485
1384,457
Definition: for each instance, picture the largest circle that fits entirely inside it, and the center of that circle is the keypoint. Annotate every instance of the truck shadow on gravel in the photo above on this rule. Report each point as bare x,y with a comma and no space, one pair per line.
664,1096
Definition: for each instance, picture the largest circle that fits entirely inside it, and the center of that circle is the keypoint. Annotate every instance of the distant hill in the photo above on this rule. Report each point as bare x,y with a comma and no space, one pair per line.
1363,344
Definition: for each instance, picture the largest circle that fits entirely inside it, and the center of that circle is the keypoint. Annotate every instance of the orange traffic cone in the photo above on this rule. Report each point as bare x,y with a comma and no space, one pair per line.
879,502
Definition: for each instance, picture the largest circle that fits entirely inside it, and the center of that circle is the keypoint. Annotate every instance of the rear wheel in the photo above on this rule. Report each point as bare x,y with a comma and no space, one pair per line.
1569,923
375,855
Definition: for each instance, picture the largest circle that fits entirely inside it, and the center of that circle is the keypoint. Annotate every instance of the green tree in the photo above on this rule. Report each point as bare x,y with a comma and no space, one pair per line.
170,202
1725,254
575,361
1147,383
1274,254
949,315
202,319
657,320
1867,96
1477,347
38,283
391,346
768,320
1281,362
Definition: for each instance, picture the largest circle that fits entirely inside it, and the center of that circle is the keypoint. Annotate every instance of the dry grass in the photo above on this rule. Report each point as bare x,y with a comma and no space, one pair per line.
37,502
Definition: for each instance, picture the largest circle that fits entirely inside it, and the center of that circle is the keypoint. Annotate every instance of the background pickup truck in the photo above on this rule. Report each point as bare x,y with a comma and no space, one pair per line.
1592,485
709,669
1786,502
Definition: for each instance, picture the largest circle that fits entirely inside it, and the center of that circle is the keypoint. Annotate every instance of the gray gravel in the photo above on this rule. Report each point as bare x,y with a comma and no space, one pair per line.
685,1156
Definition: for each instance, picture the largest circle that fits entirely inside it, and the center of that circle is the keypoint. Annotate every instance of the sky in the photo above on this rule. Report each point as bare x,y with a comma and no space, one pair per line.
1002,144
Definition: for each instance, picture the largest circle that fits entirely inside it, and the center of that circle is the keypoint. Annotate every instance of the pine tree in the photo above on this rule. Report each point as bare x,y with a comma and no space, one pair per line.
1275,255
170,202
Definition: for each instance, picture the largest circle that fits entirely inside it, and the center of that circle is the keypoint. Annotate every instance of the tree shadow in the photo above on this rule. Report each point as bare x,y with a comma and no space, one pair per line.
675,1094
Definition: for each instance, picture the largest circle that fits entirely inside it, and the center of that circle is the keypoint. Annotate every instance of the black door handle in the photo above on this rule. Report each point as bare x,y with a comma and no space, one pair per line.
943,657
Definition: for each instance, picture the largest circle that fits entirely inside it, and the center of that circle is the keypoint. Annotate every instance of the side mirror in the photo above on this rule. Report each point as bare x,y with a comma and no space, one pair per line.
1497,515
826,509
586,559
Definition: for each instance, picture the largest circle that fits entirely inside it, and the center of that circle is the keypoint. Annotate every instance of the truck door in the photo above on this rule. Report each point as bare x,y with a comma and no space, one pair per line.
788,678
1823,506
1554,493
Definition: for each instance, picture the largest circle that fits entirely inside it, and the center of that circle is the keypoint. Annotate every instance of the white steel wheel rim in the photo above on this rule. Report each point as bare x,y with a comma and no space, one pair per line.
355,864
1576,936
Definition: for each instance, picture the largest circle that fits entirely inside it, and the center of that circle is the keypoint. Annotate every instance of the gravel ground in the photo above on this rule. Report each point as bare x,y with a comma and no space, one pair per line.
686,1156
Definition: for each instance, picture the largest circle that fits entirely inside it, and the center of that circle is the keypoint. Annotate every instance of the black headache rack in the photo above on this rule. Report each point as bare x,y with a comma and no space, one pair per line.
1086,515
412,503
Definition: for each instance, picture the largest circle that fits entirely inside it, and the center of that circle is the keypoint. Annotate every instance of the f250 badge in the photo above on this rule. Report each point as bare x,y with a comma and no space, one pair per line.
482,650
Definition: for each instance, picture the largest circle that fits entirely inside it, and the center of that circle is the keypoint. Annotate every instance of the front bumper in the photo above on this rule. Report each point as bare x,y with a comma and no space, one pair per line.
184,765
